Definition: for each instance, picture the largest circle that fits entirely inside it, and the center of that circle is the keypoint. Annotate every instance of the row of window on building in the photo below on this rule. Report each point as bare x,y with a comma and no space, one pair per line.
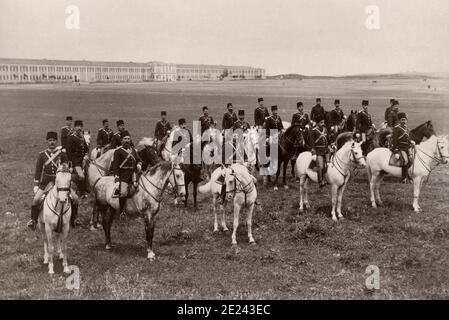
154,72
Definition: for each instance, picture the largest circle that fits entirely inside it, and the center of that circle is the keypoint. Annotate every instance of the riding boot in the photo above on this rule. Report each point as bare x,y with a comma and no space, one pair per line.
221,200
122,203
404,175
34,216
323,180
73,218
320,176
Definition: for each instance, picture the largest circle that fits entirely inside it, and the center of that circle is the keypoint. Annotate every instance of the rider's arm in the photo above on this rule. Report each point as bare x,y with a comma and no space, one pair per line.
38,170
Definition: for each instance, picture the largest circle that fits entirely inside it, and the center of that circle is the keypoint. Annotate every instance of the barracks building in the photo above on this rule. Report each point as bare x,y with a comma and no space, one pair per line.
43,71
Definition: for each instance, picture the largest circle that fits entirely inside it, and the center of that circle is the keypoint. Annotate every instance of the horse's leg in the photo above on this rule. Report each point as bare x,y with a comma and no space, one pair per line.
65,233
249,223
334,191
306,192
284,173
372,186
278,172
340,199
187,192
195,192
236,223
301,193
50,247
107,214
214,208
149,232
223,218
376,189
416,189
293,163
44,236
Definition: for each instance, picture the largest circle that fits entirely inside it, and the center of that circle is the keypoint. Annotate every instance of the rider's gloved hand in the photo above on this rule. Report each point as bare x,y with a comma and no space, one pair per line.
35,189
313,152
412,142
139,167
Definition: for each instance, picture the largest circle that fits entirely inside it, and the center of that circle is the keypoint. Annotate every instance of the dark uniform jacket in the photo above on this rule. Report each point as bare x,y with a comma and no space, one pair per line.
66,131
401,138
364,122
228,120
319,140
317,112
206,122
387,112
260,115
300,118
392,120
336,116
104,137
162,129
125,163
46,169
76,149
243,125
273,122
117,139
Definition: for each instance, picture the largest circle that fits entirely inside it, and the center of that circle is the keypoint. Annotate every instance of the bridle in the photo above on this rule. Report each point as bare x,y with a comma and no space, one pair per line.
439,160
243,188
53,209
162,190
337,162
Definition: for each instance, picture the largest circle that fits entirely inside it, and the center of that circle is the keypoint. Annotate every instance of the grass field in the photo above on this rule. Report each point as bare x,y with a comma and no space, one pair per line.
296,256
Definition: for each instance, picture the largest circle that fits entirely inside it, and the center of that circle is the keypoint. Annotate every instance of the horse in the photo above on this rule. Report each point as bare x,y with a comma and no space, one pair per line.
167,153
338,174
96,169
145,201
149,153
351,121
241,188
428,154
286,149
55,219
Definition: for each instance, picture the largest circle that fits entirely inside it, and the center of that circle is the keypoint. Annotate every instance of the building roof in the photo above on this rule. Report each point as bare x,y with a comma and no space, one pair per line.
210,66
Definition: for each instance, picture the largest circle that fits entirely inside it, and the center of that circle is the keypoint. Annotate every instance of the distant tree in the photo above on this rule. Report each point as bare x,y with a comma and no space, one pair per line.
224,74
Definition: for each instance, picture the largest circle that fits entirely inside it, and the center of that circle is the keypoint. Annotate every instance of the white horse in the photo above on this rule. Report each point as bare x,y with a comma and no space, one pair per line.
166,153
212,149
241,188
429,154
55,219
338,174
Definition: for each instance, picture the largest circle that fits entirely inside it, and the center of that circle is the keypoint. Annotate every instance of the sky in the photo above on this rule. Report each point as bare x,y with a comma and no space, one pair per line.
314,37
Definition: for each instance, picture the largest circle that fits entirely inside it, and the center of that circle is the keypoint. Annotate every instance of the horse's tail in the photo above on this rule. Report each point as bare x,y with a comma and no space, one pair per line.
205,188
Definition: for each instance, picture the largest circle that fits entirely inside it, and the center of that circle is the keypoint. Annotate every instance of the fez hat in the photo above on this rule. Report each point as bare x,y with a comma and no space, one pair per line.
125,133
395,102
105,120
274,108
402,115
78,123
69,118
205,107
392,100
181,121
260,99
229,104
163,113
337,101
241,112
318,99
120,122
299,104
365,102
52,135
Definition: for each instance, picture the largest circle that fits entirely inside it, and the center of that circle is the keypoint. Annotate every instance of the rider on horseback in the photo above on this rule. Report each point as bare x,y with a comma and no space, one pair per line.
300,119
260,114
317,112
162,131
45,174
206,122
320,147
401,145
118,136
244,126
393,119
124,166
336,118
104,138
77,152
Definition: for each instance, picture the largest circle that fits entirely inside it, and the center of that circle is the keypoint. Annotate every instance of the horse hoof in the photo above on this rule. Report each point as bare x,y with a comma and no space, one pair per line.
286,187
108,247
252,243
66,270
334,219
275,188
226,230
301,210
308,206
51,272
340,217
373,205
151,256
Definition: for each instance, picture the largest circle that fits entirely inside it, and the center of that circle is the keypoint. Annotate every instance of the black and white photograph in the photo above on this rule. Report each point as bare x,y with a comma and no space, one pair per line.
224,150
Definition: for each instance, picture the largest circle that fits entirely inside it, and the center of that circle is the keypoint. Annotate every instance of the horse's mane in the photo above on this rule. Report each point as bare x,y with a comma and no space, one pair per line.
427,124
146,141
164,166
105,155
289,130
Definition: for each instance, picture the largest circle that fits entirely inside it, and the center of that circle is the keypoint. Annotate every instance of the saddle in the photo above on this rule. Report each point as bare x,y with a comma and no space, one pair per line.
400,158
313,166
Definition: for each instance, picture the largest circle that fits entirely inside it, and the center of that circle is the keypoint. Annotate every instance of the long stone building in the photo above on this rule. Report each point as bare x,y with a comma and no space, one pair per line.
41,71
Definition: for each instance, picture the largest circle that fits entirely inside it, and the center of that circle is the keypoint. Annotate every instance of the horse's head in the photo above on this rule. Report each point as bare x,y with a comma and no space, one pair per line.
87,137
230,182
422,131
62,182
357,154
176,179
443,150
